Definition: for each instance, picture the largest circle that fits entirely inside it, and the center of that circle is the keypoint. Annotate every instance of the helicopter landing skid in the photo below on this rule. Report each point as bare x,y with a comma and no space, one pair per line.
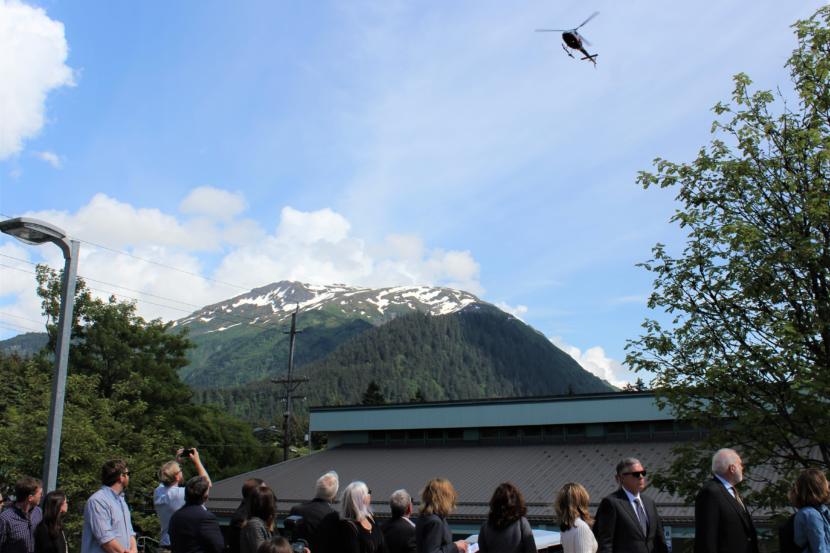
566,50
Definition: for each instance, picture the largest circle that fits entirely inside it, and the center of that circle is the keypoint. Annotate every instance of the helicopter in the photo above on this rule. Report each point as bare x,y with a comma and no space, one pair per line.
574,40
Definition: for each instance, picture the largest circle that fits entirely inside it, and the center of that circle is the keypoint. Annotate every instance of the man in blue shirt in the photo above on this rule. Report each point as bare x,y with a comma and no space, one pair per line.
169,496
18,523
108,527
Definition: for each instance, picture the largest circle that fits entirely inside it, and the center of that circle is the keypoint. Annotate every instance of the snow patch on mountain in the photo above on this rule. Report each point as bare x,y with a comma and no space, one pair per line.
275,303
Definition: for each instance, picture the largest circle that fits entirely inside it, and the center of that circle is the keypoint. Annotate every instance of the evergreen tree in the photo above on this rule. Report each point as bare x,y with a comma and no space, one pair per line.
373,395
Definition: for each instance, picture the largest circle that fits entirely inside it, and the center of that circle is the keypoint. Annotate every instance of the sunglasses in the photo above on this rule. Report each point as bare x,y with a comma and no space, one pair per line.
637,474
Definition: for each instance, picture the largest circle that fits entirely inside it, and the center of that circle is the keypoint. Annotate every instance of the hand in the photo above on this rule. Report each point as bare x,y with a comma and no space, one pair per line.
461,545
194,454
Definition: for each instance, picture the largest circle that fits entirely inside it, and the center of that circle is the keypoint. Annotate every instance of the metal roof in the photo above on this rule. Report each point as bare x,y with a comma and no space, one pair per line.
577,409
538,470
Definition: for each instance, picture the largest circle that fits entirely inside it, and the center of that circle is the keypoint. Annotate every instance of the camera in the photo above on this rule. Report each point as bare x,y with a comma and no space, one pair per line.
186,452
292,524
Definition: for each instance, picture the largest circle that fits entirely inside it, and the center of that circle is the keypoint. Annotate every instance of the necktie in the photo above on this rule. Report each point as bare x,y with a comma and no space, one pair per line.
738,498
641,515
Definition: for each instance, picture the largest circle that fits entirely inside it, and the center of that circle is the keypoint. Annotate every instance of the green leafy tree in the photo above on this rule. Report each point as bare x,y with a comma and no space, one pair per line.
744,351
124,399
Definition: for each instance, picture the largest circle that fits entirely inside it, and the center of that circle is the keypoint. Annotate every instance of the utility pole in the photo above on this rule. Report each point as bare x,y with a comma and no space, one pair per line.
290,383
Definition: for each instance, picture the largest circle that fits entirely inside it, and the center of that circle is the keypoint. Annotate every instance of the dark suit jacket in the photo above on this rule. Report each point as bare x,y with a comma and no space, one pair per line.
319,523
193,529
399,534
721,524
618,531
433,535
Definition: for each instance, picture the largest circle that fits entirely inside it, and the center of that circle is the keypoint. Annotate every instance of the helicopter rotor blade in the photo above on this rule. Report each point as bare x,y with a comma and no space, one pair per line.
593,15
585,41
552,30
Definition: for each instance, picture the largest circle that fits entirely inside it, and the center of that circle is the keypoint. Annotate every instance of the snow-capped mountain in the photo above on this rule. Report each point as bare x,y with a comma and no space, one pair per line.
275,302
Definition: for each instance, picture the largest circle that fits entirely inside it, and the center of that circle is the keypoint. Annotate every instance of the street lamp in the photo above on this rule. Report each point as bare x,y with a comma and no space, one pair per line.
35,231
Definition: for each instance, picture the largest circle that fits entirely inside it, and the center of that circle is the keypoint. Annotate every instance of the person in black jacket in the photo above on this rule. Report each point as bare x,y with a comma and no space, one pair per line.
194,529
49,536
627,521
319,517
432,533
399,531
722,523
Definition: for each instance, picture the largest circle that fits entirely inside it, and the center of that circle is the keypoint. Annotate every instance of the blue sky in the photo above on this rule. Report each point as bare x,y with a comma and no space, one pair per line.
368,143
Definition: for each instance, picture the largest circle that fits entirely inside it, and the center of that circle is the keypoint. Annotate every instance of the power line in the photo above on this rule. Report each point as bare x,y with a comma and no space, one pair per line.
160,264
17,327
154,262
222,317
6,314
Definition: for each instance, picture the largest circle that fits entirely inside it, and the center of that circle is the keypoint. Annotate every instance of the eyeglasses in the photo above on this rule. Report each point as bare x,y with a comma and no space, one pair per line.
636,474
370,492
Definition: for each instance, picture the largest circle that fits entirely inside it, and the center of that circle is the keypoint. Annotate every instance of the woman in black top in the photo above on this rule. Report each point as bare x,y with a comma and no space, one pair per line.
49,536
506,529
358,531
432,532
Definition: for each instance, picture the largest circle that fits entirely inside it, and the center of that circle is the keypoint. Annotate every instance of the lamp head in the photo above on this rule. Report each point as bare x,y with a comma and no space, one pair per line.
32,231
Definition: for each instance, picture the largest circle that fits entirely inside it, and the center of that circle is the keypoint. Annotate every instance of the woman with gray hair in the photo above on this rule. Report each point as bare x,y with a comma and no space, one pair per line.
357,531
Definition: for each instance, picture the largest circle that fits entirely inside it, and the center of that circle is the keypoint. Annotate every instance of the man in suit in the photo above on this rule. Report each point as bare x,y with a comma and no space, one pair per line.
722,523
627,521
399,531
194,529
319,518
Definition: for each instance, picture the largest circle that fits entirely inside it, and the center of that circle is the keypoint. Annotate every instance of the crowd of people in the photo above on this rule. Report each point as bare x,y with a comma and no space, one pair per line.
626,521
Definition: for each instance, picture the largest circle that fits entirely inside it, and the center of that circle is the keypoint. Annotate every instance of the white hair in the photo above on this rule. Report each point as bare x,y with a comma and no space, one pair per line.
327,486
399,502
355,506
722,459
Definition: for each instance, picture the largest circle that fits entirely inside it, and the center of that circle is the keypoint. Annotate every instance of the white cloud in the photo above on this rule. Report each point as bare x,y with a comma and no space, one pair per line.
33,53
517,311
307,246
51,158
594,360
119,224
213,202
302,227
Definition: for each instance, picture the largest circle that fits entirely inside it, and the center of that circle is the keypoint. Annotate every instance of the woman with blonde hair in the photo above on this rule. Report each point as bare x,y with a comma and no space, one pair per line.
432,533
575,521
358,532
810,494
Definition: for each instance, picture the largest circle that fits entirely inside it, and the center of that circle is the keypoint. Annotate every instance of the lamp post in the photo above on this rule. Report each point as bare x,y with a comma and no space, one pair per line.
34,231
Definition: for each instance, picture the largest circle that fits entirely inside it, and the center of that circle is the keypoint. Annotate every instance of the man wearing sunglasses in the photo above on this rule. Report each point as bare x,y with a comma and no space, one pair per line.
627,521
108,526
